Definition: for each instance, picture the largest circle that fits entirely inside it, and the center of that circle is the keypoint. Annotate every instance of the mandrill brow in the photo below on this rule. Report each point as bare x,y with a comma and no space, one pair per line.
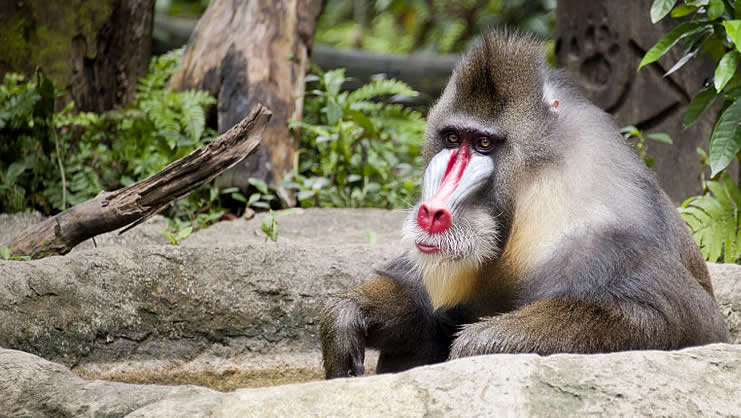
538,230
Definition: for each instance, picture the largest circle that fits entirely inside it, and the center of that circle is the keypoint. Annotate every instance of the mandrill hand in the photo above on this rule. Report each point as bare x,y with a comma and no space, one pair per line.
343,333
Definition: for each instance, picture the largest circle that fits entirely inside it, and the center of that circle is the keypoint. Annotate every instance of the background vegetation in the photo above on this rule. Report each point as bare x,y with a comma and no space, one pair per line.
711,27
356,148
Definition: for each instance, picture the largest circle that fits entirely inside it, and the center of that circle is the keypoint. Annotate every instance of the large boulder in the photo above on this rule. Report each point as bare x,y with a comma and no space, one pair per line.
691,382
229,308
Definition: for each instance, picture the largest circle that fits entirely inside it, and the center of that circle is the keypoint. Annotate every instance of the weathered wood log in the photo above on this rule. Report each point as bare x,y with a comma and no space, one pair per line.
135,203
253,51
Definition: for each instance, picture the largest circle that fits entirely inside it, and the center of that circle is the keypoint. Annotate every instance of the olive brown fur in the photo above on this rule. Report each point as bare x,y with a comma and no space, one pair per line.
568,245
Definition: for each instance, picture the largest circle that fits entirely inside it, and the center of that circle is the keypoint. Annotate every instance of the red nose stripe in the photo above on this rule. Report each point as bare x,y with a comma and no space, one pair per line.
433,215
456,165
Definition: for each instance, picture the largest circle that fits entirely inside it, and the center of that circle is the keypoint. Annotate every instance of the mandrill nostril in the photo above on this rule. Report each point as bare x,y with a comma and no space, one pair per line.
433,219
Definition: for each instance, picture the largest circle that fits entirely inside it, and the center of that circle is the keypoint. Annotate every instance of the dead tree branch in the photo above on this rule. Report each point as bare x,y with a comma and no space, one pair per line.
135,203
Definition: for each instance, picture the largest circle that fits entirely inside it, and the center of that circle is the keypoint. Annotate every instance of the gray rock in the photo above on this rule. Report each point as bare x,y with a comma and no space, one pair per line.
312,227
13,224
173,302
727,288
33,387
228,309
691,382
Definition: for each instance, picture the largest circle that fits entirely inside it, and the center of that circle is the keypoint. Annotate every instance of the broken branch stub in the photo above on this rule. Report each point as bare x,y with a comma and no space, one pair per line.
137,202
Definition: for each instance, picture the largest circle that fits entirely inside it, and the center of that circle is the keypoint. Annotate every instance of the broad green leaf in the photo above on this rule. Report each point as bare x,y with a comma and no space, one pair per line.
305,194
254,197
630,130
184,233
4,252
661,8
698,105
692,221
731,188
730,250
683,10
362,120
671,39
733,28
709,205
239,197
719,192
715,9
333,81
687,56
310,78
259,185
660,137
726,69
725,141
334,112
716,241
172,239
14,170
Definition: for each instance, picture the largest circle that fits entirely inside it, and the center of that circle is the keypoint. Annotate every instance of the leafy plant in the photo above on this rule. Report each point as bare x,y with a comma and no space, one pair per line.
404,26
714,28
178,236
710,27
715,221
52,160
357,151
269,223
269,226
631,131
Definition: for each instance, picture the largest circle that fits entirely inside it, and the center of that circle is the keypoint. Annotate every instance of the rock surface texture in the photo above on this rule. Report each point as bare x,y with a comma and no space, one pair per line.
693,382
227,309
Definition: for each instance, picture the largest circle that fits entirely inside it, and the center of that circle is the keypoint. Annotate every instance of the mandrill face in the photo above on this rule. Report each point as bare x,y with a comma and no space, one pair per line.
446,225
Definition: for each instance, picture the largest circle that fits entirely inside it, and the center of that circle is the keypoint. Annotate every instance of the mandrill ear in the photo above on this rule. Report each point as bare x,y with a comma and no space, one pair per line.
550,99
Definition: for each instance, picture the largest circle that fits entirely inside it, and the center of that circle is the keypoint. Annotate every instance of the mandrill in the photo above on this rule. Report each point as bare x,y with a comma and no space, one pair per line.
538,231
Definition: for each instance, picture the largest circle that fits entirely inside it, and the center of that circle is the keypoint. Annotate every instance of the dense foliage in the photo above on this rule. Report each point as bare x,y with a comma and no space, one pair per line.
405,26
52,160
710,27
357,151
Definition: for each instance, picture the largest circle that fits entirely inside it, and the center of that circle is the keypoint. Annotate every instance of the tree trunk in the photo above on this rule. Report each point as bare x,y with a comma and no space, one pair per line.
250,51
426,73
94,49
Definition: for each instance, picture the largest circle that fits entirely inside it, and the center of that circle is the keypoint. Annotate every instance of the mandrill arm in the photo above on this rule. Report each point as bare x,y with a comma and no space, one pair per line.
383,313
633,312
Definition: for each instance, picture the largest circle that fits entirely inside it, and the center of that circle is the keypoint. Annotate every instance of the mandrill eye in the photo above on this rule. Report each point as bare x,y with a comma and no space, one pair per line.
484,144
452,139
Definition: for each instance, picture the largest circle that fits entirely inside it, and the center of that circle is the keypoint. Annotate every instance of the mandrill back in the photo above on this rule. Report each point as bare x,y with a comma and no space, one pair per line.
538,230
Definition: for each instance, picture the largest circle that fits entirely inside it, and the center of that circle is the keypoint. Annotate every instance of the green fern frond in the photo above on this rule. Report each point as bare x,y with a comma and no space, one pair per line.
714,220
378,88
160,70
193,112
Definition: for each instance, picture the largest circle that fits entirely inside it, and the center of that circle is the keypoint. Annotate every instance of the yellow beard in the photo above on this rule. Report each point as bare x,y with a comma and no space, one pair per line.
449,283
